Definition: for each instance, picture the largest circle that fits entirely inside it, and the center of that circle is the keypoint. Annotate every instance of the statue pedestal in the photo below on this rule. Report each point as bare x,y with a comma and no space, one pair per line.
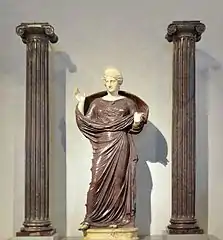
111,234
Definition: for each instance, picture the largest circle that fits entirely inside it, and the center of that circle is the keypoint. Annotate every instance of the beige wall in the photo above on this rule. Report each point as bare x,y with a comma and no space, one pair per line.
7,164
130,35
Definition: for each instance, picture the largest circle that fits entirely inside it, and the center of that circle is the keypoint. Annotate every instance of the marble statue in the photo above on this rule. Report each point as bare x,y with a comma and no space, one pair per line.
109,119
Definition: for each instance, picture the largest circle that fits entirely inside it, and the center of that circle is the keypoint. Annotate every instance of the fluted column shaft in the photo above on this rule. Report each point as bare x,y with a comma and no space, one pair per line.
184,35
36,37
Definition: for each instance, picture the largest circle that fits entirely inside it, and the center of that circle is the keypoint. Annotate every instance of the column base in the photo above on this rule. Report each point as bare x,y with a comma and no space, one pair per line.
53,237
24,233
111,234
182,226
188,237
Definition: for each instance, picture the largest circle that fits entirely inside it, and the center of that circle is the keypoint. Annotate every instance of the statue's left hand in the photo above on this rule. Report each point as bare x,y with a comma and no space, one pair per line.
139,117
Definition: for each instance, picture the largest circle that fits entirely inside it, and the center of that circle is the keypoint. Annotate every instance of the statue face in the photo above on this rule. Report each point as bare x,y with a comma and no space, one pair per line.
111,84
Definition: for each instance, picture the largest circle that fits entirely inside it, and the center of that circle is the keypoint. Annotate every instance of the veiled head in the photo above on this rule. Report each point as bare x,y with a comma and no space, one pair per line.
112,79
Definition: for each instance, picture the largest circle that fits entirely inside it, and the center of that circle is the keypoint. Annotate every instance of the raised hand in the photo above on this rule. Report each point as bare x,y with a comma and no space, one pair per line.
78,96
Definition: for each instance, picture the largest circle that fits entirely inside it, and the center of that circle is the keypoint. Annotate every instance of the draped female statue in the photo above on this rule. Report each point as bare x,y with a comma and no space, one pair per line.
108,119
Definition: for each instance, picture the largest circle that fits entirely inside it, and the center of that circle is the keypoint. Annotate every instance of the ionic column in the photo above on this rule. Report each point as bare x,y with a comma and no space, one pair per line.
184,35
36,36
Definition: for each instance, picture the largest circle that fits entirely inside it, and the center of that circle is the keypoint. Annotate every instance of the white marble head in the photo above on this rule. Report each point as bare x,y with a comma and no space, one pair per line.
113,79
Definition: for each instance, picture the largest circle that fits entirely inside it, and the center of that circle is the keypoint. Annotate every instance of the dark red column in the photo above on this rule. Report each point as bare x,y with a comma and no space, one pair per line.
36,36
184,35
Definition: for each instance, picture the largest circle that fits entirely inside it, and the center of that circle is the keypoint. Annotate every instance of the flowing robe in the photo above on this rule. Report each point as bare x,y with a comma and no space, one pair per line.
109,127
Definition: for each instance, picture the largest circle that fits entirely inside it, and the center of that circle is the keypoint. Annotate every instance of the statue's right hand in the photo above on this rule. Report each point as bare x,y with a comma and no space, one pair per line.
78,96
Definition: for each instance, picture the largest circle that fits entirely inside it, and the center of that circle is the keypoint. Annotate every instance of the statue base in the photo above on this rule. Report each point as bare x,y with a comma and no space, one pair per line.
111,234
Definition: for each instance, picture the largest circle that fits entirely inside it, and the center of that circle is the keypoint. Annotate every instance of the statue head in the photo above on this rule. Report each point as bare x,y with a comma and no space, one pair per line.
112,79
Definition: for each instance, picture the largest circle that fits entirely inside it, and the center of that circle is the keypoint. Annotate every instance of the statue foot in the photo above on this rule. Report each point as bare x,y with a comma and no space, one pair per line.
84,226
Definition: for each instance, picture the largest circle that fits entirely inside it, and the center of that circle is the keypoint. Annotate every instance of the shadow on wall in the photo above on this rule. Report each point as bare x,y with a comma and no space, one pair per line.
152,147
60,62
204,64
